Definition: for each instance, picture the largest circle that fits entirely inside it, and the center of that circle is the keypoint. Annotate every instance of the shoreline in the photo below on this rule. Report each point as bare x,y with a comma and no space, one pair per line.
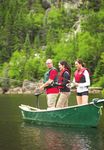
20,90
92,90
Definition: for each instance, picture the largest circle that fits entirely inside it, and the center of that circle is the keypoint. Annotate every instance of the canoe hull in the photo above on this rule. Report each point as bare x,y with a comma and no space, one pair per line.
83,115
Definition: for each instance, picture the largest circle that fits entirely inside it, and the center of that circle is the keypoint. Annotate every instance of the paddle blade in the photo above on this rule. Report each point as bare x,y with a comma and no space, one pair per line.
37,92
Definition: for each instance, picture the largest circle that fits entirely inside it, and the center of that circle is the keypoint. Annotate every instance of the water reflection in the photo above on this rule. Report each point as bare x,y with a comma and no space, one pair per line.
59,138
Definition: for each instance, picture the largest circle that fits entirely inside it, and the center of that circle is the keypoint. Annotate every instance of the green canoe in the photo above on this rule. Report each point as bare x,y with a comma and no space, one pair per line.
78,115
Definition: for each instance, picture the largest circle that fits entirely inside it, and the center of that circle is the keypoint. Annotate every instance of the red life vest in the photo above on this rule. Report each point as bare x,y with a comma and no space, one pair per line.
79,74
61,78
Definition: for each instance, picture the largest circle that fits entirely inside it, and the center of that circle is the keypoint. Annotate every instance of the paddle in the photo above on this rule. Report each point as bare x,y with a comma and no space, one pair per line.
37,93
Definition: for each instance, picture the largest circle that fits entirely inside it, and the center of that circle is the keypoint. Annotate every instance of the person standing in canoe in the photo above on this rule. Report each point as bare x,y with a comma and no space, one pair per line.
64,79
50,78
82,82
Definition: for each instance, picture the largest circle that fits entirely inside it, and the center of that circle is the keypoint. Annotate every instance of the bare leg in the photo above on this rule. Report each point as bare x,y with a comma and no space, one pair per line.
84,99
79,100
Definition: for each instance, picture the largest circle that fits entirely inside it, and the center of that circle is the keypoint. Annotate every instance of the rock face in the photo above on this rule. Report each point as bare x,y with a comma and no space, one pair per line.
28,87
95,89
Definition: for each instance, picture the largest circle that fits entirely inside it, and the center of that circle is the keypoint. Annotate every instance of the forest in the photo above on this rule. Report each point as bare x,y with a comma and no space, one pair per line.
33,30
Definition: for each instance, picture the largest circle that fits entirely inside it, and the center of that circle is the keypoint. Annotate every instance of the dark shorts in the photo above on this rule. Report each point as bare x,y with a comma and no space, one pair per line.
83,93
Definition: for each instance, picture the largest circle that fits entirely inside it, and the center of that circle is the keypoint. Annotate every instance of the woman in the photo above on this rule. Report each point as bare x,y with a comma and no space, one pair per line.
64,79
81,81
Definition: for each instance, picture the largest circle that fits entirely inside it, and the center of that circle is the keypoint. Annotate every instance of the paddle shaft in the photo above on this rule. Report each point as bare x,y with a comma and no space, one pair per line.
37,101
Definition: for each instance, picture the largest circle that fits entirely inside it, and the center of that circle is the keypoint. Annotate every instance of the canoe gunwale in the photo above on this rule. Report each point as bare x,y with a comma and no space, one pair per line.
95,102
34,109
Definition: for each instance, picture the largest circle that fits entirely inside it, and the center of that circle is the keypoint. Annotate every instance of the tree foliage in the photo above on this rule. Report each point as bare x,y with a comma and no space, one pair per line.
29,34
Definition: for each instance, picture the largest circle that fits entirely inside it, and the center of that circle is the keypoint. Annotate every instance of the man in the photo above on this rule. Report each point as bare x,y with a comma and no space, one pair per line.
52,91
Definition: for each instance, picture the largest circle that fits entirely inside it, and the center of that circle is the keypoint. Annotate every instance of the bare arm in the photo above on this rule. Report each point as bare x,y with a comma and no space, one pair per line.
46,84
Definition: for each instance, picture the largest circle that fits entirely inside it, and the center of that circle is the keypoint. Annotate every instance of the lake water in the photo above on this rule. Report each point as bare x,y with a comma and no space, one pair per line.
17,135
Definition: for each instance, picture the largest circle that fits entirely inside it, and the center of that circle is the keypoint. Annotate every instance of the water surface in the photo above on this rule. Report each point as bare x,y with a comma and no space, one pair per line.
17,135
